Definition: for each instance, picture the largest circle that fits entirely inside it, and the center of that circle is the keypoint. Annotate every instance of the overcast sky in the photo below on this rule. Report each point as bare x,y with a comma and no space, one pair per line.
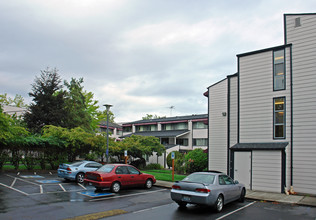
141,56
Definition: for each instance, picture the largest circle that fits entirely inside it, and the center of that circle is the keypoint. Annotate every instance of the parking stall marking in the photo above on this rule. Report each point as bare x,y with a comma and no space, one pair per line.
40,187
61,186
13,182
17,190
237,210
122,196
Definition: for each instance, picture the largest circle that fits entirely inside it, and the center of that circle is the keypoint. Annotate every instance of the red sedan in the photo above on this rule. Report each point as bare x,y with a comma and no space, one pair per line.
117,176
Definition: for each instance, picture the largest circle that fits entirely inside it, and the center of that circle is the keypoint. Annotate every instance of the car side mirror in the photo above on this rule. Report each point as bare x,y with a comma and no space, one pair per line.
236,182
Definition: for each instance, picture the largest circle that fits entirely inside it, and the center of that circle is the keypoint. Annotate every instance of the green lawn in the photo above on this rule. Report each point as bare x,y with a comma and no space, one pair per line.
165,175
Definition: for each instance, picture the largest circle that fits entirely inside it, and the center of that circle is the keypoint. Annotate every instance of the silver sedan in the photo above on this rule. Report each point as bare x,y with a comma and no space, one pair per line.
207,188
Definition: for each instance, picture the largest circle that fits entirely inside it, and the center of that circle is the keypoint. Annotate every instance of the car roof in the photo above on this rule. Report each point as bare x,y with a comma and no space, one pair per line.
214,172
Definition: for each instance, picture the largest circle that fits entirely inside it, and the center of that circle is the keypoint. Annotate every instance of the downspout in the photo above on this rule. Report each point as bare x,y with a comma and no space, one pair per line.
291,78
228,127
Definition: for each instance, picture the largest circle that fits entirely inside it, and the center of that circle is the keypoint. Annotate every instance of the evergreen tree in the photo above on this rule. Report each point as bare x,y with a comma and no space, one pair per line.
48,107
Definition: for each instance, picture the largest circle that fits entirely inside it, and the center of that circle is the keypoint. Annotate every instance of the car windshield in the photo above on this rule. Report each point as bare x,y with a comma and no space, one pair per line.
106,168
200,178
76,164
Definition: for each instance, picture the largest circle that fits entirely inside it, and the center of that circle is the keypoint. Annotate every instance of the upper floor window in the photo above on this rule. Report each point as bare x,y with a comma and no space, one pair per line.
174,126
199,125
278,70
146,128
279,118
127,129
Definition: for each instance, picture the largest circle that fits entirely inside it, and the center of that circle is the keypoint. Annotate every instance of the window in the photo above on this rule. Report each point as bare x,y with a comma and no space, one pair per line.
127,129
199,125
183,142
175,126
132,170
200,142
119,132
121,170
278,70
279,118
225,180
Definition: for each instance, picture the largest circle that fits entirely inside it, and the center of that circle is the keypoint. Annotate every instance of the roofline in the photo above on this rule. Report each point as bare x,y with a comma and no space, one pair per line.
264,50
295,14
166,119
216,83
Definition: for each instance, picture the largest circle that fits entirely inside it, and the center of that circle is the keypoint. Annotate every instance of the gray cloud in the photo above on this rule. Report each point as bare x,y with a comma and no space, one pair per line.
141,56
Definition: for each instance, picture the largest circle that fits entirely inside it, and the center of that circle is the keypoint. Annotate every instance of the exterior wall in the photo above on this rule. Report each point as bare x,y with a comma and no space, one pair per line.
218,127
303,39
256,104
233,110
266,170
256,97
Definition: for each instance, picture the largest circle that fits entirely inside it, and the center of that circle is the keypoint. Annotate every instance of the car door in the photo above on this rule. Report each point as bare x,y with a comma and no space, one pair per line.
135,177
123,175
232,188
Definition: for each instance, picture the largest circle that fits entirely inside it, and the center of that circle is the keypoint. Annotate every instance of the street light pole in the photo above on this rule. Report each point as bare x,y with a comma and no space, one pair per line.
107,131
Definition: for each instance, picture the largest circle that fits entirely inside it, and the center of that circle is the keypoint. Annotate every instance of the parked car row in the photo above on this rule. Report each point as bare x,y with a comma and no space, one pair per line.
210,188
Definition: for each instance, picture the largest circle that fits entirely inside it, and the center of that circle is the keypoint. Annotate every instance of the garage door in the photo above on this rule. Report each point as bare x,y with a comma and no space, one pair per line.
266,170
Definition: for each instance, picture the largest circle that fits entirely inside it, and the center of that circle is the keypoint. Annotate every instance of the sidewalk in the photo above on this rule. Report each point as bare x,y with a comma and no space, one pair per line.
266,196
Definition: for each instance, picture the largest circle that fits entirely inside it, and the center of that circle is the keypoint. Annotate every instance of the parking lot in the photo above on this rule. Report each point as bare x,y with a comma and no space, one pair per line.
45,196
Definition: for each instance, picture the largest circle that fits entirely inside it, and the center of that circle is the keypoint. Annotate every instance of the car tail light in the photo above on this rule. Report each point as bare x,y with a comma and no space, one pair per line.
99,178
176,187
202,190
68,170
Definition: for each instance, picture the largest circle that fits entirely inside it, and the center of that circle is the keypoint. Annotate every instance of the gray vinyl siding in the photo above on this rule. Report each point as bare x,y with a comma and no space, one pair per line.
303,39
256,96
218,127
233,111
266,170
256,109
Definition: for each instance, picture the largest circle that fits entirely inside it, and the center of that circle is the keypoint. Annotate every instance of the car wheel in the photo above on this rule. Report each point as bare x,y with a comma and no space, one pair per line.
80,177
242,195
116,187
219,203
148,184
182,204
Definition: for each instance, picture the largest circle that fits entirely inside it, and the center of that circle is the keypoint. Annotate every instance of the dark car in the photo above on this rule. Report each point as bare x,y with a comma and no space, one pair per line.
207,188
117,176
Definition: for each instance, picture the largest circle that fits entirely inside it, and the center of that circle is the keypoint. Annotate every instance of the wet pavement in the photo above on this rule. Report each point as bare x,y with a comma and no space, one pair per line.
45,196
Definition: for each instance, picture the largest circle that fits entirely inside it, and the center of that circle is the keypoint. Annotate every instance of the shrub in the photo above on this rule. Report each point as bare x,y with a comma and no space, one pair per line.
195,161
153,166
139,163
178,162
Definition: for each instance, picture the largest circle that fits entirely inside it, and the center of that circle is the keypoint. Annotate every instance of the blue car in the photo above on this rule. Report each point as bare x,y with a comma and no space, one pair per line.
76,171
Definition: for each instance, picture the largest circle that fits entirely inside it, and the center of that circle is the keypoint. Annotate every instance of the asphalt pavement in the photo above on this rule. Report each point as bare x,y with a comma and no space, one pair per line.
306,200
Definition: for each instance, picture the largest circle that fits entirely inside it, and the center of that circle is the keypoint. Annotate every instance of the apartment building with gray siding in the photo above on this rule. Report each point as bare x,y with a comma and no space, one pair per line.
262,120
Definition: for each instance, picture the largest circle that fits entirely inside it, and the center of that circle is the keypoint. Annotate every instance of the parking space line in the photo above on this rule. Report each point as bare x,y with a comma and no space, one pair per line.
61,186
41,189
115,197
82,186
14,189
23,180
12,184
224,216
